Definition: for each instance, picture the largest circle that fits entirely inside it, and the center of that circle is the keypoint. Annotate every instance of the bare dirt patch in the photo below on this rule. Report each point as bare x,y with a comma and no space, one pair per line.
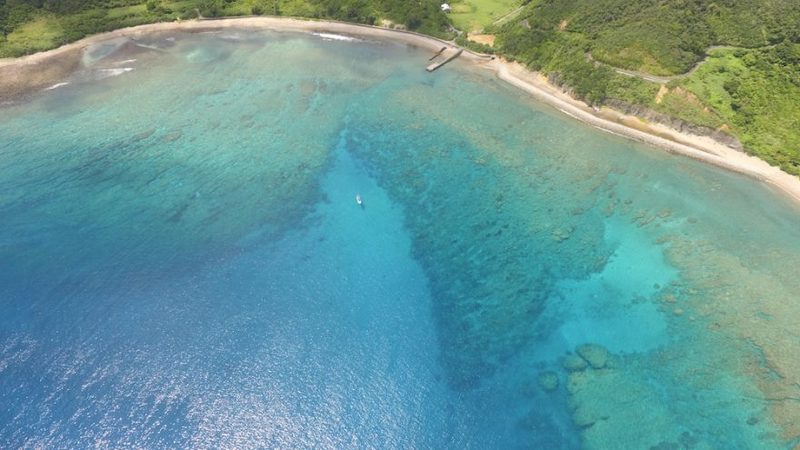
487,39
662,91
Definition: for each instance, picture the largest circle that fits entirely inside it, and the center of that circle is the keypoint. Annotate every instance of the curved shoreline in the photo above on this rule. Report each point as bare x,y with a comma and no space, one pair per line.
34,72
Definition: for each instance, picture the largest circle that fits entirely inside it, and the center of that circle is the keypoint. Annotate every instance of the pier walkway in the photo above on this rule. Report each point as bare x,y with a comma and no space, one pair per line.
443,57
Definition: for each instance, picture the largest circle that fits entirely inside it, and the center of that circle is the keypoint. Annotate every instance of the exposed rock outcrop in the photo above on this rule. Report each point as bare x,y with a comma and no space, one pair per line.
674,123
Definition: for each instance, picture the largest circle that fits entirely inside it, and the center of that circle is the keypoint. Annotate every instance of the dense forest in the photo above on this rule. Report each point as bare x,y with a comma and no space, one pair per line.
728,65
656,36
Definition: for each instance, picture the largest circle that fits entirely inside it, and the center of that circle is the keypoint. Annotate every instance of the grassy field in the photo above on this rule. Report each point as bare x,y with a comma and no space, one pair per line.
475,15
41,33
41,30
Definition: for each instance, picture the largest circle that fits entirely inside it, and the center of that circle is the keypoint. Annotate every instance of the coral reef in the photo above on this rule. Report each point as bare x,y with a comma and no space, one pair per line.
594,354
492,248
757,310
548,380
574,363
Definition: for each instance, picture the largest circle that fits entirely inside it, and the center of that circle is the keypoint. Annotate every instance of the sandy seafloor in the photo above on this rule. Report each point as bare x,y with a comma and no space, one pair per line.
182,263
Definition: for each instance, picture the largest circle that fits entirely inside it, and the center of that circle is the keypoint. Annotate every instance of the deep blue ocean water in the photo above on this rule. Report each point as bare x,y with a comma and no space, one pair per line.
183,263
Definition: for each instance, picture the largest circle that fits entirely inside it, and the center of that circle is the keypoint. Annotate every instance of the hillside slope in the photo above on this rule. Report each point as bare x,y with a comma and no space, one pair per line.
750,89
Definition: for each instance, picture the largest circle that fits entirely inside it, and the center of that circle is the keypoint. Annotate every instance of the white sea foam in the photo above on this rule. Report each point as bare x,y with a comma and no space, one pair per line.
569,114
149,47
335,37
106,73
234,36
56,86
609,131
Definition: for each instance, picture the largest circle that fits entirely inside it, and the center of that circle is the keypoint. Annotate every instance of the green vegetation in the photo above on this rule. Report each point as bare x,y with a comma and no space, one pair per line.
475,15
34,25
27,26
751,91
41,33
665,37
757,93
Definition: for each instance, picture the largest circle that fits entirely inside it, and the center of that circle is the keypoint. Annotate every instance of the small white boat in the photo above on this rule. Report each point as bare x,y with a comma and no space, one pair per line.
359,200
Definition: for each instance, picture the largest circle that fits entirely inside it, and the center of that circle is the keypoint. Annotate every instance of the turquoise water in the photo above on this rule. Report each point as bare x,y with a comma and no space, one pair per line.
183,263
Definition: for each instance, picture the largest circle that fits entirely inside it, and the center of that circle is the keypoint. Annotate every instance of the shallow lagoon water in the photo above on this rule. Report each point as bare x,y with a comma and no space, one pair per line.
183,264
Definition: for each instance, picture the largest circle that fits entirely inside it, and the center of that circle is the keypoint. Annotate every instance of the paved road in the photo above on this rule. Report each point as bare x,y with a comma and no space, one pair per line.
667,78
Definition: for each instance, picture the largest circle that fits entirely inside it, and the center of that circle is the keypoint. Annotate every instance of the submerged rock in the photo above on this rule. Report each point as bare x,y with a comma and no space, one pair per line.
584,419
615,410
548,380
172,136
144,134
594,354
574,363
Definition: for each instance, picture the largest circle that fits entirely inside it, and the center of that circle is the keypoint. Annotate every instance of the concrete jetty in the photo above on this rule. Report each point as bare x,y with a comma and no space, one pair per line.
437,53
444,57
